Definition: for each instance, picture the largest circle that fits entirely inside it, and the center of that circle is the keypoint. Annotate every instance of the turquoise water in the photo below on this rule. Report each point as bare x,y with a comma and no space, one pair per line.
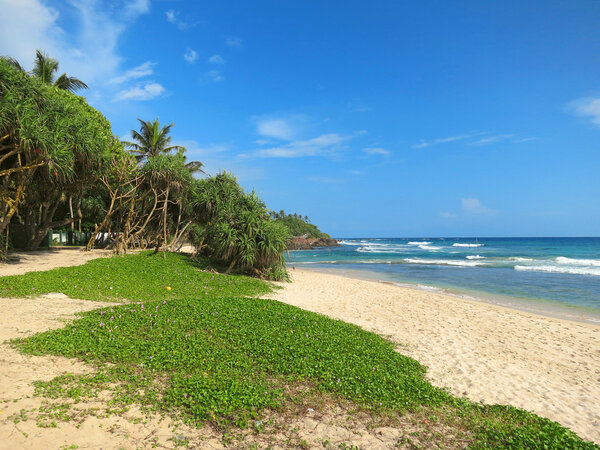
557,276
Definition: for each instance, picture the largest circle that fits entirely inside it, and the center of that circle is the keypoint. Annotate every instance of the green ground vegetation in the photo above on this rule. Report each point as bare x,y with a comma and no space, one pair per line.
208,351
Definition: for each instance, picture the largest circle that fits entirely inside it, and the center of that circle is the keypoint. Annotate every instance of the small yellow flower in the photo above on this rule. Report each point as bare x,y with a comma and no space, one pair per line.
168,288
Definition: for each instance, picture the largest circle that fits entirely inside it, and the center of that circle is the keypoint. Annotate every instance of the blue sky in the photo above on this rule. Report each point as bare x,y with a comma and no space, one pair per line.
380,118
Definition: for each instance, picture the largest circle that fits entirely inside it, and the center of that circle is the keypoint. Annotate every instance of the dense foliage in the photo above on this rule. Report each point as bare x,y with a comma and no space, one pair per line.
60,164
298,225
238,231
205,351
52,146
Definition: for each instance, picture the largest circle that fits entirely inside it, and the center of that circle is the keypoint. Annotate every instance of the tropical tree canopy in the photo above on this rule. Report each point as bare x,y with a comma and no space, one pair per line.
154,140
52,144
151,140
45,68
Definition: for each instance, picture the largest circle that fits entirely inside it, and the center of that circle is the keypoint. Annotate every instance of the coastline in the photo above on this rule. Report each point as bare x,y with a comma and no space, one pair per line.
486,352
538,307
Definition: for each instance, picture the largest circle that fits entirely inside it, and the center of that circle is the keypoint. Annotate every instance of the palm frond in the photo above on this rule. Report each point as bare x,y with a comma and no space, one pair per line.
44,67
13,62
71,84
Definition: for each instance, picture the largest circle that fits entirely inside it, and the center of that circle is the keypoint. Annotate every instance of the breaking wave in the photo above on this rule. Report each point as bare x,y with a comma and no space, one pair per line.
458,244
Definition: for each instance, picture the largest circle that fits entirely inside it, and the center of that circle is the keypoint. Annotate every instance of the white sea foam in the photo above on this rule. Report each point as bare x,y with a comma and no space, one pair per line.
578,262
422,287
350,243
369,249
466,245
519,259
475,257
444,262
561,269
429,247
419,243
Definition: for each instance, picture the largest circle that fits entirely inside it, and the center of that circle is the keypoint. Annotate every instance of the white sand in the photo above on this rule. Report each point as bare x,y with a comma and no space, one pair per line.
19,263
485,352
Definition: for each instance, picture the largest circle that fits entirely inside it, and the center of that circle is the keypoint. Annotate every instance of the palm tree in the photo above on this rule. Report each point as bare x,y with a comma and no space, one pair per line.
44,68
152,140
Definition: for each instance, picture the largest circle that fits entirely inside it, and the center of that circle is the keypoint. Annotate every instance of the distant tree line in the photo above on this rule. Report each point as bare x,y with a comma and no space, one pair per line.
298,225
61,166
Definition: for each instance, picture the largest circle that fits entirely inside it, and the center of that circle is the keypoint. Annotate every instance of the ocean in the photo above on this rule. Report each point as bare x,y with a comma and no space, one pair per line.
552,276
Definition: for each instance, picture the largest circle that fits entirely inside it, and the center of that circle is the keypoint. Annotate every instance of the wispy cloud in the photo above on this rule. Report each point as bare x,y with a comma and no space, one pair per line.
376,151
476,139
98,28
146,91
137,7
588,107
492,139
323,145
213,76
285,127
190,55
276,128
174,17
143,70
474,206
448,215
445,140
357,106
233,41
521,140
216,59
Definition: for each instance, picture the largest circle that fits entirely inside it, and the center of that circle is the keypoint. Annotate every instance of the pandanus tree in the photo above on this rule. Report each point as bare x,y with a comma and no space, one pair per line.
45,69
238,230
52,146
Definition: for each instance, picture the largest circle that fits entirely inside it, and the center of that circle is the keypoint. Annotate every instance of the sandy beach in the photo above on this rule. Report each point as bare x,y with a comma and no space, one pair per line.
484,352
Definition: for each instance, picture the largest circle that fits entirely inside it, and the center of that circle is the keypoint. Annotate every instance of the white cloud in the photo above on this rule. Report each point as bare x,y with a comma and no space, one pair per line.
448,215
376,151
190,55
197,151
137,7
147,91
492,139
233,42
143,70
213,76
173,17
587,107
521,140
216,59
474,206
445,140
276,128
33,25
357,106
323,145
477,139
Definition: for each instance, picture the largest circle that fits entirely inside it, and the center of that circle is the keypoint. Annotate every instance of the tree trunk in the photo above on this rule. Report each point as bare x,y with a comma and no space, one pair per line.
165,223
